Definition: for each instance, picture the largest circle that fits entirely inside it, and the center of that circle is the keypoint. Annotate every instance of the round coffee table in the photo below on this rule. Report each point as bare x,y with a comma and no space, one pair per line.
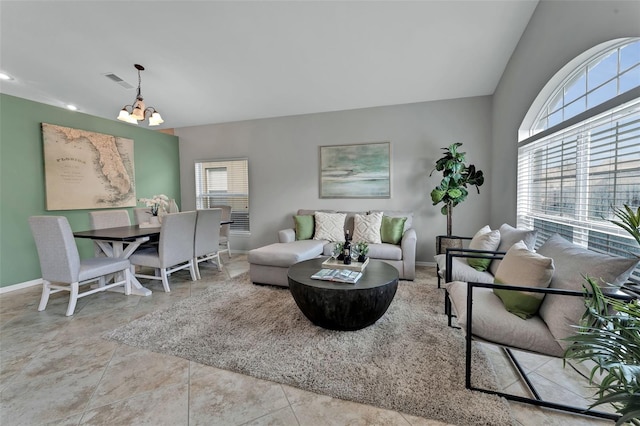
342,306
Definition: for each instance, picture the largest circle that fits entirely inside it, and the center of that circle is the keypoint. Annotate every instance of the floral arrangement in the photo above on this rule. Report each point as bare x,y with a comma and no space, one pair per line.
157,203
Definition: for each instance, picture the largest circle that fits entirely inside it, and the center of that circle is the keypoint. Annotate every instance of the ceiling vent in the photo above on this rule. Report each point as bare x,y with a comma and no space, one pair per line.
121,82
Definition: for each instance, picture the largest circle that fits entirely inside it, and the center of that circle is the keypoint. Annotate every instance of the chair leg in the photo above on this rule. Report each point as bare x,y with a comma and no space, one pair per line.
127,282
219,261
46,291
73,298
165,279
197,268
192,270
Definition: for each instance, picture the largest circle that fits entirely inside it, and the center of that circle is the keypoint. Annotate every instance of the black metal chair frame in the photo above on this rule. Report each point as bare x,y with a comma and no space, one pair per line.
439,249
536,400
468,254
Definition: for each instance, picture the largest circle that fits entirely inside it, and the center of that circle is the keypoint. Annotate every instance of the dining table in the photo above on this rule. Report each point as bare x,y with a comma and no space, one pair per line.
122,241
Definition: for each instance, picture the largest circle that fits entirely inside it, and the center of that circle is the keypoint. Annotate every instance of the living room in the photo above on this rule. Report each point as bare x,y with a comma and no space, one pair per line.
283,151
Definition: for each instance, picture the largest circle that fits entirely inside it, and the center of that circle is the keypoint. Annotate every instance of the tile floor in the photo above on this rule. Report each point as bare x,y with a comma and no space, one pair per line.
56,370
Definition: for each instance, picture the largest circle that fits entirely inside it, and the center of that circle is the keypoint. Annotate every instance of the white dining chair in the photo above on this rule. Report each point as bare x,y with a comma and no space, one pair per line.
101,219
174,251
142,215
61,266
224,229
207,236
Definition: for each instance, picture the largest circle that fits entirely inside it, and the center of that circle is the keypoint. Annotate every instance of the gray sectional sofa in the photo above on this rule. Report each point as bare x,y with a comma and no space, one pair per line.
269,264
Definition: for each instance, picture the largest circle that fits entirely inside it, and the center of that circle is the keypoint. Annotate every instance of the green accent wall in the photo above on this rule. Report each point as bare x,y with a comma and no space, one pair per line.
22,189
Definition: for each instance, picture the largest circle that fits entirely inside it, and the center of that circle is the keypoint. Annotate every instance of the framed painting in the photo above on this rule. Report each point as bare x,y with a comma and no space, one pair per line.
355,171
87,170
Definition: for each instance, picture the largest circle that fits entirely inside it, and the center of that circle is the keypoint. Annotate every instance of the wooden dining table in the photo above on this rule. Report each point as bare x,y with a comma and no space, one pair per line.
121,242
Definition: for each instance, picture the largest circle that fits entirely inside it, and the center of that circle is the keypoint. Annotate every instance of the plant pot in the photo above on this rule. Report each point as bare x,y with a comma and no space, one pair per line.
444,242
154,220
362,258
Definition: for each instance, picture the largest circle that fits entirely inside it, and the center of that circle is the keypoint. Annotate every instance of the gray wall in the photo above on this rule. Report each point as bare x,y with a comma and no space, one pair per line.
558,32
283,163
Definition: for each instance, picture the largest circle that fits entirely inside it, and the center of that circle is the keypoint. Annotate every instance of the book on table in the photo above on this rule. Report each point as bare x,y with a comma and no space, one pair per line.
338,275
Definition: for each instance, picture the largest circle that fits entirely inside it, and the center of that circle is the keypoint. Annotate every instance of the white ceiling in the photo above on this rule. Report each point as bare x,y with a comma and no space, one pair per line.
211,62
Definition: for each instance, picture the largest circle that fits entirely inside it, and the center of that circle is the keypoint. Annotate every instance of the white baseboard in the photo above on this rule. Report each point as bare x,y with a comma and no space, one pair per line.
20,286
432,264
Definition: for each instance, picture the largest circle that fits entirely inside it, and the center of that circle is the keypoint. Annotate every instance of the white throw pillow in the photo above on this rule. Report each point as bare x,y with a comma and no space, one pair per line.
367,228
523,268
485,239
330,226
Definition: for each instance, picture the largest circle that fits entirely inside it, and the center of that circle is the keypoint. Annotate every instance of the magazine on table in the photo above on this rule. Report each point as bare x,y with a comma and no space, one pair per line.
339,275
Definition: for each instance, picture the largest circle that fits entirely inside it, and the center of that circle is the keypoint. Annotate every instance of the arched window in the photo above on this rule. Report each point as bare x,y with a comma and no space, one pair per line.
580,156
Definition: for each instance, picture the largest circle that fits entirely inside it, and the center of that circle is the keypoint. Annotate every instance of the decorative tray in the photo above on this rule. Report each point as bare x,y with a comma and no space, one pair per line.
333,263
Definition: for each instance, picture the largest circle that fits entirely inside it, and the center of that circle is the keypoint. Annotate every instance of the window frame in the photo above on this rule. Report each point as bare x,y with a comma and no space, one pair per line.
579,224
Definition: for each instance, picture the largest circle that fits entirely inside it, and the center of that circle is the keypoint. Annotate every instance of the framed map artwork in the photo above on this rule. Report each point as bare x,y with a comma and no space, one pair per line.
87,170
355,171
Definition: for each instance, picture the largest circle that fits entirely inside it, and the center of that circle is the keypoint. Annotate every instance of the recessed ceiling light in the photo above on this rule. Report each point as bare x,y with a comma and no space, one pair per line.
4,76
72,107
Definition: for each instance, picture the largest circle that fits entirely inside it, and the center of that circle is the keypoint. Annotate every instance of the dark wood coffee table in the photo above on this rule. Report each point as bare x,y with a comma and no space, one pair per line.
342,306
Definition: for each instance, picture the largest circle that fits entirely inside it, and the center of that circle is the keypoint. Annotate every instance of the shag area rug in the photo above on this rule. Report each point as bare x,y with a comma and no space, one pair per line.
408,361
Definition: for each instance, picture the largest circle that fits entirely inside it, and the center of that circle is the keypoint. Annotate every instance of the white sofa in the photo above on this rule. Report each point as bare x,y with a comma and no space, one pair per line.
269,264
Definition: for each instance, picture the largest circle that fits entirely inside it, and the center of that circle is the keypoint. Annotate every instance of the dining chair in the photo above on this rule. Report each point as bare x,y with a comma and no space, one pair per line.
224,229
174,251
141,215
206,242
61,266
102,219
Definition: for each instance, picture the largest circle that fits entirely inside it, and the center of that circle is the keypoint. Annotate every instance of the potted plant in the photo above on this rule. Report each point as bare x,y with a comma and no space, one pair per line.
362,248
456,177
610,337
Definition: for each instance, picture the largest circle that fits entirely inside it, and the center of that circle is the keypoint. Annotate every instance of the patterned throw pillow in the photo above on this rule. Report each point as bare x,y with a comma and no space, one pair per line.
367,228
523,268
304,226
485,239
330,226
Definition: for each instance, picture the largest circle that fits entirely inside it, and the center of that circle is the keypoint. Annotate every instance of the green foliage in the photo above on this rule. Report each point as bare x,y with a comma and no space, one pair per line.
456,177
629,221
362,247
609,335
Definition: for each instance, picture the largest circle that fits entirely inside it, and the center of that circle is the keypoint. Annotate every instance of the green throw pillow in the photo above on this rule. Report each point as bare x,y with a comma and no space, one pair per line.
304,226
523,268
484,239
391,229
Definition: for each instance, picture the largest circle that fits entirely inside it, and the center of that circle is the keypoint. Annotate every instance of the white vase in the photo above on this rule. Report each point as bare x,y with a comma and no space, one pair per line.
154,220
173,207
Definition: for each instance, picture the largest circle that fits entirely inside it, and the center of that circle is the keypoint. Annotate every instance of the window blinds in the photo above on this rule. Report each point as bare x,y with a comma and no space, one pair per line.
570,181
224,182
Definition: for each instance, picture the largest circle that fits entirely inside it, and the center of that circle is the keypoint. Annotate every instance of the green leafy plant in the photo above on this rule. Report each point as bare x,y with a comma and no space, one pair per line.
456,177
609,335
362,249
628,220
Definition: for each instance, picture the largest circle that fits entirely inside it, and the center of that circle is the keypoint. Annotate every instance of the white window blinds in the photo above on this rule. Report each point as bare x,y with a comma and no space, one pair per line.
569,181
225,182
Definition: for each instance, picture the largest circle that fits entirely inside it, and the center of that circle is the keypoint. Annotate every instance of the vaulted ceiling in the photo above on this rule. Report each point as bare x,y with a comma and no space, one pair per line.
211,62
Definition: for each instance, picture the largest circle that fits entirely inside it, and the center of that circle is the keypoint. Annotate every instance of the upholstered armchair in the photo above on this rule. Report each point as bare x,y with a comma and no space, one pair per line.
534,303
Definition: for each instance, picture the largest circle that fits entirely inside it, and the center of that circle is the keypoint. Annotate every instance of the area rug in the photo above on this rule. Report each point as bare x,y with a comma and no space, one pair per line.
408,361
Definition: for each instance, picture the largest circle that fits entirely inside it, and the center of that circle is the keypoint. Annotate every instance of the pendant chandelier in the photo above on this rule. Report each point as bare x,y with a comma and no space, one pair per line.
137,111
